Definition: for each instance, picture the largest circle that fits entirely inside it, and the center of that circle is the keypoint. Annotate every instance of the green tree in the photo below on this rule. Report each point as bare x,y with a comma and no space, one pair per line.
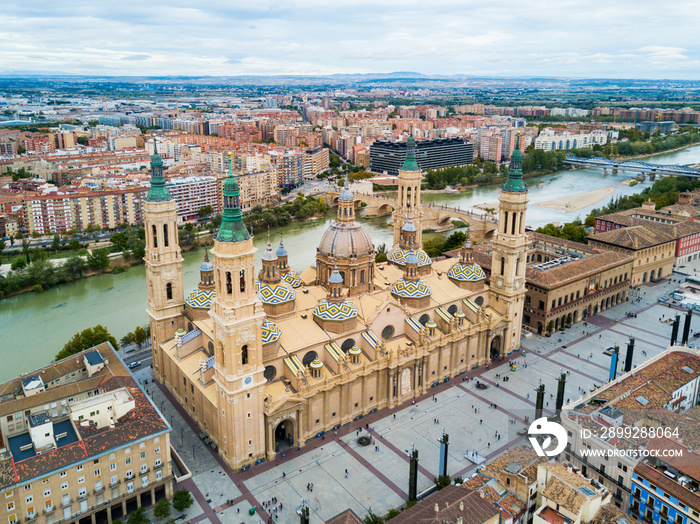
138,249
550,326
442,482
140,335
371,518
138,517
19,263
204,211
162,509
56,243
2,246
98,259
85,339
393,512
182,500
75,266
74,244
25,249
120,240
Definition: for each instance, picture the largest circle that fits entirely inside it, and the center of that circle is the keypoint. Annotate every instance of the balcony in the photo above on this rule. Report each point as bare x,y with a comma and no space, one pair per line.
83,496
158,466
96,491
144,472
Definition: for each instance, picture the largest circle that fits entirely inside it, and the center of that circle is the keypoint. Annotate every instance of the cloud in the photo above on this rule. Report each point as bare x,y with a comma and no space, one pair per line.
625,38
137,57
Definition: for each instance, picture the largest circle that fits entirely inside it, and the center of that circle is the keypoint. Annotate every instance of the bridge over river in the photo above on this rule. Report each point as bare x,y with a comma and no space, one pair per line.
436,217
637,166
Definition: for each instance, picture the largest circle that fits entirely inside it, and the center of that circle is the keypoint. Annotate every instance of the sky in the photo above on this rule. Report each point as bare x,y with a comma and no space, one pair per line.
563,38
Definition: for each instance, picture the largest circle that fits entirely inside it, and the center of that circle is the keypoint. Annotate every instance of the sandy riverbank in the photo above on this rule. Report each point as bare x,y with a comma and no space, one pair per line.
577,202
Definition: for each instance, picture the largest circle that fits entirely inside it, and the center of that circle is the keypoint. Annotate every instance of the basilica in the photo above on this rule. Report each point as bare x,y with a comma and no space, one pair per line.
263,362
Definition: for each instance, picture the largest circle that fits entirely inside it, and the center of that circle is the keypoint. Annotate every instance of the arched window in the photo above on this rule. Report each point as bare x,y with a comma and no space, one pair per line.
244,355
169,291
512,227
424,319
242,277
388,332
155,236
479,301
505,221
210,347
165,235
309,358
362,276
189,326
270,373
229,283
347,345
503,266
517,266
452,309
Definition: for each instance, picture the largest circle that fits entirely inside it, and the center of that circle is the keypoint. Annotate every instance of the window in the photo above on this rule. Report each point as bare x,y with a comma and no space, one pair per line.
82,493
113,480
144,481
158,462
165,235
27,487
10,506
128,460
229,284
79,468
169,291
48,505
129,487
159,475
98,472
155,236
29,499
157,451
81,480
503,266
129,474
47,492
244,355
112,467
64,485
241,275
143,455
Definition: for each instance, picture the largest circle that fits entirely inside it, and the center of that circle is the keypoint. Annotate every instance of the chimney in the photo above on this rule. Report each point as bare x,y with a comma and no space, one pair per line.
437,508
461,506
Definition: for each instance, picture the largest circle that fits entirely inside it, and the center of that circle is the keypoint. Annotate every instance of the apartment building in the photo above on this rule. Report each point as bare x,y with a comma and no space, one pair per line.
82,443
193,193
660,393
550,139
388,156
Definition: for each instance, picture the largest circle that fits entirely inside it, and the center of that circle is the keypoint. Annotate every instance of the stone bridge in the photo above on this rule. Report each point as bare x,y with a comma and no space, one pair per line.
435,217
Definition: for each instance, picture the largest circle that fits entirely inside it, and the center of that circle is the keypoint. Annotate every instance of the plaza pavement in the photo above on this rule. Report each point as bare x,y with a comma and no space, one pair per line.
378,480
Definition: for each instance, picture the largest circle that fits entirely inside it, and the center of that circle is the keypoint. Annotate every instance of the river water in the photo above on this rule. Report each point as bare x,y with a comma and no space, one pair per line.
34,326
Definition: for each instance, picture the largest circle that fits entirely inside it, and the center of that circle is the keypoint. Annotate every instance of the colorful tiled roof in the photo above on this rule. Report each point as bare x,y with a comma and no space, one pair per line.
200,299
292,279
276,293
466,272
411,289
270,332
398,256
335,311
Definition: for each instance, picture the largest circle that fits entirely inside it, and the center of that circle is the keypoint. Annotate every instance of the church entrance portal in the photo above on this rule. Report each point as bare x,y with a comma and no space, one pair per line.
284,435
496,347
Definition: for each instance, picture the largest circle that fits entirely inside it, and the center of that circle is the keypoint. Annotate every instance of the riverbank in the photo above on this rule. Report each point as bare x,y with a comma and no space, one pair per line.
573,203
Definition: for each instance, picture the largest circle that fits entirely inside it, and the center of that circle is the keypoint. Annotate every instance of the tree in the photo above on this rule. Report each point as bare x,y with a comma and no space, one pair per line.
138,249
19,263
371,518
74,244
56,243
550,326
98,259
75,265
182,500
25,249
138,517
442,481
120,240
140,335
393,512
162,509
2,246
204,211
86,339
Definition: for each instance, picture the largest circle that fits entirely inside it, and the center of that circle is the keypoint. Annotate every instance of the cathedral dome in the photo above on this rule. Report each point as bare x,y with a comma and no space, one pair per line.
410,289
206,266
345,240
275,293
466,272
398,256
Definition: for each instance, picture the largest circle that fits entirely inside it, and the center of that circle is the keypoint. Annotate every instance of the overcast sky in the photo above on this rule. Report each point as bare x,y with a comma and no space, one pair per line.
596,39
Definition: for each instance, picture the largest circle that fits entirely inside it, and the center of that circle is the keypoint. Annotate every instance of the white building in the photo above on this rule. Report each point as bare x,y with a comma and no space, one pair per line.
191,194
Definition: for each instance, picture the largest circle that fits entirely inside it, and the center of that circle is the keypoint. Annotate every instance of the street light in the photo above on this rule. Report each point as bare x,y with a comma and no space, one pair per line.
182,435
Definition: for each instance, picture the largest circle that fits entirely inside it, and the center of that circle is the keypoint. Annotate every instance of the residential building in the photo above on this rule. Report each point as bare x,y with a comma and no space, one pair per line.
550,139
451,505
193,193
660,393
82,442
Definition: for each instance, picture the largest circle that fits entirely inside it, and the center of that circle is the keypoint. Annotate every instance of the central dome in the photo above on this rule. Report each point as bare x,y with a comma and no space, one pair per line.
344,240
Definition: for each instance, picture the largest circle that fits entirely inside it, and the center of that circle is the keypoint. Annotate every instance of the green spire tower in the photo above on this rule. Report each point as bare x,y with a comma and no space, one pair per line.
410,164
159,191
232,227
515,182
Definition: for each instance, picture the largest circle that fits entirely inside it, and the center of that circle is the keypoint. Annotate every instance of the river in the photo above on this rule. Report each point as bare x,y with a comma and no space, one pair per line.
34,326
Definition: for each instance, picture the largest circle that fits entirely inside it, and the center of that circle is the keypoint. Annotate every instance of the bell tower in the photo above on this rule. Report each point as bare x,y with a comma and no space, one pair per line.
237,315
509,253
166,297
408,200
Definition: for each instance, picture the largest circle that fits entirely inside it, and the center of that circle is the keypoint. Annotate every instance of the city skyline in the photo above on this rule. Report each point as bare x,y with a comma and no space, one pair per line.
562,39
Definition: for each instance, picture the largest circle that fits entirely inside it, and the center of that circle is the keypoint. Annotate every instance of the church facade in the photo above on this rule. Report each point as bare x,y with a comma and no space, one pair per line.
264,363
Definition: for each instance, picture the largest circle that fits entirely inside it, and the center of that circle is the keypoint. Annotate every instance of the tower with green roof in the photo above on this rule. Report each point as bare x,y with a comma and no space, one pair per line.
166,297
509,257
237,316
408,199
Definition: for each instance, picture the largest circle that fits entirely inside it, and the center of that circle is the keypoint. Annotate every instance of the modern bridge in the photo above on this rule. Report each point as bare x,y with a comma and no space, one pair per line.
643,168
